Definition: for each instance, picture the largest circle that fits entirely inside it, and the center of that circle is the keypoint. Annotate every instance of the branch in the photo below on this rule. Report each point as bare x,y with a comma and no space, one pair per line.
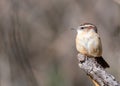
96,72
117,1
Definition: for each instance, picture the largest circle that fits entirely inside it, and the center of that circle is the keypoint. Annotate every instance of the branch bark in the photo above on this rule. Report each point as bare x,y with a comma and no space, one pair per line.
96,71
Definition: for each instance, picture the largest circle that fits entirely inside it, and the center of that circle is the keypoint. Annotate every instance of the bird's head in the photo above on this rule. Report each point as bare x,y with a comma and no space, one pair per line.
86,27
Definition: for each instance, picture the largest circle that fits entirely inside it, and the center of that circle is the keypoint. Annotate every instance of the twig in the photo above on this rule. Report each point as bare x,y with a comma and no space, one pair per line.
96,72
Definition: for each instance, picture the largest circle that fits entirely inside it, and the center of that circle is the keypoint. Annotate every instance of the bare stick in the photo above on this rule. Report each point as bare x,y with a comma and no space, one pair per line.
96,72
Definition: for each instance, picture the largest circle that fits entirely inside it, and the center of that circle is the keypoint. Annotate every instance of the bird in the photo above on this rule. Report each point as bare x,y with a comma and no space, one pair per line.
88,43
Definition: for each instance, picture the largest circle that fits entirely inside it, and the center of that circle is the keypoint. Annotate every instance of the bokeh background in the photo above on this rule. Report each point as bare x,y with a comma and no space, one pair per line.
37,46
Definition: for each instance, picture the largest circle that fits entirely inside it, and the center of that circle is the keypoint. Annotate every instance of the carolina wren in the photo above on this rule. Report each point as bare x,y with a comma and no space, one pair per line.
88,43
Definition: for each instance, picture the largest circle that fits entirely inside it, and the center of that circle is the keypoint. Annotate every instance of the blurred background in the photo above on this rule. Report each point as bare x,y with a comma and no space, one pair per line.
37,46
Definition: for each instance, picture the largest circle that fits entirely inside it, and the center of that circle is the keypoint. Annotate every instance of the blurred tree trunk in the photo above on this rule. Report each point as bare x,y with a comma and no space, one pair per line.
15,37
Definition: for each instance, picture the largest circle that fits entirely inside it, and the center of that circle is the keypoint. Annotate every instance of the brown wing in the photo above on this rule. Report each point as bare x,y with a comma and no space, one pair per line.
95,46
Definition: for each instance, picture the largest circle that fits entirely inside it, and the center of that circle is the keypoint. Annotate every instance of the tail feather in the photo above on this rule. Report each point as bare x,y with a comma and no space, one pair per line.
102,62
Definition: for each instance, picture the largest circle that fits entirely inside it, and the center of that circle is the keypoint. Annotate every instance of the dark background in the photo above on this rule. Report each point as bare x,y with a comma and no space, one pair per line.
37,46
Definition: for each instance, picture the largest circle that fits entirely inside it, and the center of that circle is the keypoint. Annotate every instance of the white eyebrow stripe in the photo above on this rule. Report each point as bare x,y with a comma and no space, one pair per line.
87,25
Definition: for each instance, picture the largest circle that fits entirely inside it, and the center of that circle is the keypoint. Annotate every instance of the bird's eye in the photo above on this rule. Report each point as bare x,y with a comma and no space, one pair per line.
82,28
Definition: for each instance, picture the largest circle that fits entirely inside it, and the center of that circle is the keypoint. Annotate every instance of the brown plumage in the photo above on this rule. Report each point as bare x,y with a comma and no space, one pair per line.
88,43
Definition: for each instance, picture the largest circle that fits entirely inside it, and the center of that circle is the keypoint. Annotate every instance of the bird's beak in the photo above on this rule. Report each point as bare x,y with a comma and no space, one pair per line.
73,29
